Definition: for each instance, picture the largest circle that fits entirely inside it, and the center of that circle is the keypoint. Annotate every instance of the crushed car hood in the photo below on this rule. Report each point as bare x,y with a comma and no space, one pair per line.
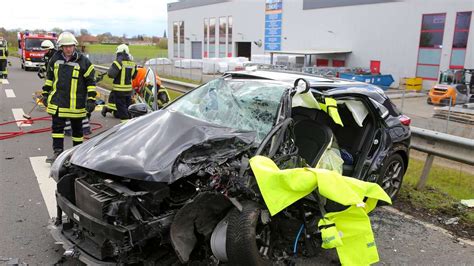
162,147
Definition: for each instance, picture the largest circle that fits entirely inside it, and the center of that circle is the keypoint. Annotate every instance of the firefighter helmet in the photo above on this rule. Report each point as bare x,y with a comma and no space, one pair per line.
123,48
66,38
47,45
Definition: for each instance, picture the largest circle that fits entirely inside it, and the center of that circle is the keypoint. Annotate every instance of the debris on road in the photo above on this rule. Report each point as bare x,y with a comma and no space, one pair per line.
453,220
468,203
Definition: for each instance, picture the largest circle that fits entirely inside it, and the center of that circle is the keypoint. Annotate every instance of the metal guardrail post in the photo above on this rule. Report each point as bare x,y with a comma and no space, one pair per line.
442,145
426,170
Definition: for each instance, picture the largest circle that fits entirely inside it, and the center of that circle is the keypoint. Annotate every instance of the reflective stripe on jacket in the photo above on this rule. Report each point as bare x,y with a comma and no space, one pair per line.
69,85
123,71
3,53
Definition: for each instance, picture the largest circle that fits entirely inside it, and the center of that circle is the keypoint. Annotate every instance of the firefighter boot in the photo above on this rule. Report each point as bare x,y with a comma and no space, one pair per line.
104,111
56,153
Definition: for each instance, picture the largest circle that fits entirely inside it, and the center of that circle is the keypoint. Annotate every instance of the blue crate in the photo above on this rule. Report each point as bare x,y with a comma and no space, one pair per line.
380,80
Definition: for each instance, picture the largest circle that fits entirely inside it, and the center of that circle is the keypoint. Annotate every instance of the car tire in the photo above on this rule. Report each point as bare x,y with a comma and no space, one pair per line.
391,175
241,242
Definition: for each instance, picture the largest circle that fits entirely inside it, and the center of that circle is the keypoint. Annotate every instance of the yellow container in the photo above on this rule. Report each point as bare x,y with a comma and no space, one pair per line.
414,84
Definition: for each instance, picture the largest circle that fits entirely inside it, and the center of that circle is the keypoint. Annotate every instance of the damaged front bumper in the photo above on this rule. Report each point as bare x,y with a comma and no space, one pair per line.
94,241
71,249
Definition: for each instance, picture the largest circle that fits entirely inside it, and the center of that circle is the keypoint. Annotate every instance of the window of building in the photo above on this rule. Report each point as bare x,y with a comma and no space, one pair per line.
181,39
222,36
175,39
431,43
212,37
229,37
338,63
206,37
461,34
322,62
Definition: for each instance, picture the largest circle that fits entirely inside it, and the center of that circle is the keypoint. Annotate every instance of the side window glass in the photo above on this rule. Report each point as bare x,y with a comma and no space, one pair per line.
383,111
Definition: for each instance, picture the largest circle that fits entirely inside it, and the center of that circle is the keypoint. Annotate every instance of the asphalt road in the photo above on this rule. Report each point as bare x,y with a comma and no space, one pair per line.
26,193
422,113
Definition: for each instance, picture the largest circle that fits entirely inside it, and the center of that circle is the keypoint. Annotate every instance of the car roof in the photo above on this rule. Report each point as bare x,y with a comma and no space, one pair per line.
331,86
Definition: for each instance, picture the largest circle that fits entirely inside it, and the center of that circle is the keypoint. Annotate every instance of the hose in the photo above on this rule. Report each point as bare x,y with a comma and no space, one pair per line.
295,245
13,134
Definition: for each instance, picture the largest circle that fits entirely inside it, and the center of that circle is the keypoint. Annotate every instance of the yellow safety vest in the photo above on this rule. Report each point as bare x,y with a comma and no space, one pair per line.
349,231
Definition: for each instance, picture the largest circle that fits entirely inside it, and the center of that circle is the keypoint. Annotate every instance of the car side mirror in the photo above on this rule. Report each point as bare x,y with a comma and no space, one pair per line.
138,109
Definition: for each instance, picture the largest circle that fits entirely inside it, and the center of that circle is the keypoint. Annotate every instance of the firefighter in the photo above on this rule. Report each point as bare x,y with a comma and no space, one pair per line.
143,89
69,91
51,50
123,70
3,59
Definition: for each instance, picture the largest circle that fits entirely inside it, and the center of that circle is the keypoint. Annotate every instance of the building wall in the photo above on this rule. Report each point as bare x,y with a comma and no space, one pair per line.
388,32
248,20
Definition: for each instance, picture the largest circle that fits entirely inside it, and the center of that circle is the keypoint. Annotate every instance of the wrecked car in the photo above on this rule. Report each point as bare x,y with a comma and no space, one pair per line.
185,190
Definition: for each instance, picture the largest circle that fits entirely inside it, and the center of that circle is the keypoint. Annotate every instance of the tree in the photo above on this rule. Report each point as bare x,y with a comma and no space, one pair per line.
163,43
164,34
84,32
57,30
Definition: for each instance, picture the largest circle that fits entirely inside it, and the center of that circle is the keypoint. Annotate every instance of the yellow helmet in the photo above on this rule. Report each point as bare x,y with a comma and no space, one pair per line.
66,38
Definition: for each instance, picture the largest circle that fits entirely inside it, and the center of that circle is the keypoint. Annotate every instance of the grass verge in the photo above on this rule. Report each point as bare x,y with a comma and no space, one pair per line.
192,81
106,83
440,199
138,51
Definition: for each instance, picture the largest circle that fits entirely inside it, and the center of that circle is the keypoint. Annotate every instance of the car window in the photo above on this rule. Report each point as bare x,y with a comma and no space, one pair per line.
382,110
240,104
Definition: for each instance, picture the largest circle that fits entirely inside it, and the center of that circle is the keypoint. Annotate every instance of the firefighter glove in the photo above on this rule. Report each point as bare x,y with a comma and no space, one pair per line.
44,100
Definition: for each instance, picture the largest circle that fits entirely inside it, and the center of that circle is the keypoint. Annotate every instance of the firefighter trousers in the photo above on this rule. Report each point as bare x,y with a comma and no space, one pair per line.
3,68
58,131
118,104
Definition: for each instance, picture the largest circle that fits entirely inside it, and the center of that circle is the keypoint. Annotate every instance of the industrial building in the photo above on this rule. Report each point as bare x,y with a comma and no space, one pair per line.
405,38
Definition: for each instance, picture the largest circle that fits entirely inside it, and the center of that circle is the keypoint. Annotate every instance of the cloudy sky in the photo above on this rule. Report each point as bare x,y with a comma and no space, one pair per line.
115,16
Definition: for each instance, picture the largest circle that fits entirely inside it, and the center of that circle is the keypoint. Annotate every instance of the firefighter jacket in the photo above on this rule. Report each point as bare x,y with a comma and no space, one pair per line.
47,56
122,71
69,85
3,52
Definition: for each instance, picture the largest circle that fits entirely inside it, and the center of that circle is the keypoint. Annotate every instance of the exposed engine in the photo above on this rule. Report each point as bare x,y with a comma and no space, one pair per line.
139,213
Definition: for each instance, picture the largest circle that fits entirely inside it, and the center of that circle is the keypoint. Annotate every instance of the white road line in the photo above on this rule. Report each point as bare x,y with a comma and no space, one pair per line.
46,184
5,81
10,93
18,114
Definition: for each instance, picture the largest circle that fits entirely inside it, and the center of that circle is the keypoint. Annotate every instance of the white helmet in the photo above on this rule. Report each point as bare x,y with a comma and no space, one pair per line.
47,45
66,38
123,48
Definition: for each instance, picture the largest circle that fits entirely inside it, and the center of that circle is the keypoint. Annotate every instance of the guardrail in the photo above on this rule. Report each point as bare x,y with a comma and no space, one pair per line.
442,145
178,86
431,142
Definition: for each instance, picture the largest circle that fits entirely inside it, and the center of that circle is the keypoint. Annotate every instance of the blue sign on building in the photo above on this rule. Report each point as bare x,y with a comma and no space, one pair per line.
273,19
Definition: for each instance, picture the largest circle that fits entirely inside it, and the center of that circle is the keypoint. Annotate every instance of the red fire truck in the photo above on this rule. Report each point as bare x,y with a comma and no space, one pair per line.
29,48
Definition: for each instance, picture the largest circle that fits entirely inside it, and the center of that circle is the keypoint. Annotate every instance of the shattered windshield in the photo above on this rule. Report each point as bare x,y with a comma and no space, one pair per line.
240,104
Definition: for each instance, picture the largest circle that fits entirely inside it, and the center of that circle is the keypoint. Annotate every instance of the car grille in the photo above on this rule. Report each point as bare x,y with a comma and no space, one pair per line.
90,200
36,59
439,91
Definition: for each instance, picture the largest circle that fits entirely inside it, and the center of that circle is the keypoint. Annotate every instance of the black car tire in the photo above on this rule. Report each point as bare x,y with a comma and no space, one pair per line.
391,175
241,241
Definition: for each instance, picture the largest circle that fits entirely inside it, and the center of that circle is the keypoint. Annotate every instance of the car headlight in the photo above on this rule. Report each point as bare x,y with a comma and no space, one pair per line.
58,169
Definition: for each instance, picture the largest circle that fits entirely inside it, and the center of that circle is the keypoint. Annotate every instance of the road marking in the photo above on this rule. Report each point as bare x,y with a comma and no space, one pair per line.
47,185
5,81
18,114
10,93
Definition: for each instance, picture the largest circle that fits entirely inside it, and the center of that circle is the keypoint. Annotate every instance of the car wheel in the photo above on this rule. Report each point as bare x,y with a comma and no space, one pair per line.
392,175
248,240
